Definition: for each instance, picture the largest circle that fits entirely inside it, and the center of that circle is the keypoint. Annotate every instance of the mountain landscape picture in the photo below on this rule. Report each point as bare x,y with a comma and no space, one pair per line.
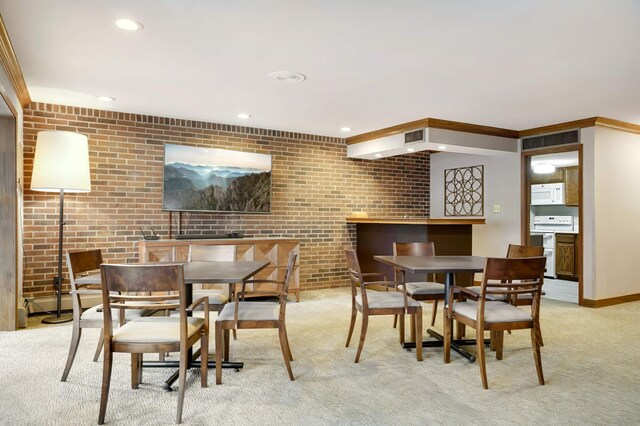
212,179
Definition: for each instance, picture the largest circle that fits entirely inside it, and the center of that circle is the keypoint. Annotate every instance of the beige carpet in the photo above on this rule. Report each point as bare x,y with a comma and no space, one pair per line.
590,362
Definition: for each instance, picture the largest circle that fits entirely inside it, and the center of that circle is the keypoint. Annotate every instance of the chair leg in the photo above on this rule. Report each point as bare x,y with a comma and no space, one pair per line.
73,348
106,380
182,384
286,353
351,325
418,334
492,340
461,330
363,333
446,327
204,357
235,336
402,328
134,370
499,345
99,348
434,313
481,360
288,345
218,336
225,345
539,332
395,321
535,343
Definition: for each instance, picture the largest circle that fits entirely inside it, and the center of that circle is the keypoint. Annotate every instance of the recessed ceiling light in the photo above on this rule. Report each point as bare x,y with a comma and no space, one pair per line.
129,24
378,155
244,115
410,150
442,147
106,98
346,129
288,76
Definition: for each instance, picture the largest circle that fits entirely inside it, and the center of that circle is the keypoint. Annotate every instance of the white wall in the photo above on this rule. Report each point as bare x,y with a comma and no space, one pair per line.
501,186
587,227
617,213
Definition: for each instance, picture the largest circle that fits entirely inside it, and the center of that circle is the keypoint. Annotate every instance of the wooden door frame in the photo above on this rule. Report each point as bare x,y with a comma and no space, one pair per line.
525,201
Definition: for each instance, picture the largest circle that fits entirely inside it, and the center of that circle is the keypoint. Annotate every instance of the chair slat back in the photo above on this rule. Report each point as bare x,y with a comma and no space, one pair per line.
414,249
80,262
353,268
523,275
515,251
212,253
288,273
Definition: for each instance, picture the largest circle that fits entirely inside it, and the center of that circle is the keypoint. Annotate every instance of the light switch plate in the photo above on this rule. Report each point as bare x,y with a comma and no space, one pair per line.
497,208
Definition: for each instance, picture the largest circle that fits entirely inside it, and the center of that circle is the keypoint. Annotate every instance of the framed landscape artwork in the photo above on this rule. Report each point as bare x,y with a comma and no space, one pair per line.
217,180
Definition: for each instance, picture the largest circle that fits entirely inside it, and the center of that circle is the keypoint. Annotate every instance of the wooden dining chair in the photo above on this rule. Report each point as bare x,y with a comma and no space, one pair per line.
524,276
121,289
379,303
78,264
242,314
207,253
513,251
421,290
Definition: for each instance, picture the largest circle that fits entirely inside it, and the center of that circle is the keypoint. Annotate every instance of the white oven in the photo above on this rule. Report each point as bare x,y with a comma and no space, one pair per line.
548,193
543,229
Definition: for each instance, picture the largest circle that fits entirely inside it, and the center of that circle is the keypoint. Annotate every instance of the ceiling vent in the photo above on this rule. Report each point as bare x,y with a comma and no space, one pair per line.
555,139
414,136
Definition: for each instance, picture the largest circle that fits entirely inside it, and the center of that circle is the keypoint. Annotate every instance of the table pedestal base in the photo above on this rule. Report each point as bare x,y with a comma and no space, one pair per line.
456,344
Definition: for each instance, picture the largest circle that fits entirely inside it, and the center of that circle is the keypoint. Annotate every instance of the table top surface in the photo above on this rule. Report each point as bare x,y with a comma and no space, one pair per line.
437,264
205,272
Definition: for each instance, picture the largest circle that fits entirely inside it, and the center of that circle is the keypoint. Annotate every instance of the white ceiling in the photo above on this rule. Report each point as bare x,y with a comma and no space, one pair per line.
369,64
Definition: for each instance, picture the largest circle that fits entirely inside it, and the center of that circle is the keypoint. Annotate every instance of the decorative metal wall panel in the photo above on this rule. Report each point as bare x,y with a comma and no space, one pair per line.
464,191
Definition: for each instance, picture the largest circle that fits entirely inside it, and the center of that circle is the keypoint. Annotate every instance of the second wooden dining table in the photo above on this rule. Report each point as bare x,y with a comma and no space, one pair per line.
449,266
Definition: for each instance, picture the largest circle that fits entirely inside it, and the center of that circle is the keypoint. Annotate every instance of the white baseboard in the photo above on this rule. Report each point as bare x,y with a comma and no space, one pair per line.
48,303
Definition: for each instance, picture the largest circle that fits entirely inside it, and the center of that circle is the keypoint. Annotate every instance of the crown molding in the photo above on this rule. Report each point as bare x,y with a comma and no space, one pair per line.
12,67
434,123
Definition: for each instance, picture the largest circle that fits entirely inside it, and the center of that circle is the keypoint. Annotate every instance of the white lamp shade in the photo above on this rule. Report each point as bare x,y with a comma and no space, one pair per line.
61,162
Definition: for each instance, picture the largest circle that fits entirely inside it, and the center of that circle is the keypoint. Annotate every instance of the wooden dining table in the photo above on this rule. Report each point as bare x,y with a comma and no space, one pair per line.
210,272
449,266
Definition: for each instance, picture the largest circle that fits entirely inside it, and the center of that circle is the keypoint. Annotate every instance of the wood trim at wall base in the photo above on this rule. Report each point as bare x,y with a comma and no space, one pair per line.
12,67
600,303
434,123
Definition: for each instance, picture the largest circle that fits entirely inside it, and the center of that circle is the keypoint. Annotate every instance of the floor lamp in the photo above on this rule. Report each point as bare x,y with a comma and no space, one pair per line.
61,163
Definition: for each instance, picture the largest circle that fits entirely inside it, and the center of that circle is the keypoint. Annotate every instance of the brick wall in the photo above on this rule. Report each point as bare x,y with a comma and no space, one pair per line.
314,186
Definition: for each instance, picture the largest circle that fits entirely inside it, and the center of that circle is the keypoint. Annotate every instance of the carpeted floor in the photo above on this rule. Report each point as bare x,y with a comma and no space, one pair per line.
590,363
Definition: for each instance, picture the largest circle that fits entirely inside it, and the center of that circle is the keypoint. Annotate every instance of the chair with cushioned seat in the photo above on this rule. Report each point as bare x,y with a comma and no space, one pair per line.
522,276
78,264
370,302
422,291
122,286
207,253
241,314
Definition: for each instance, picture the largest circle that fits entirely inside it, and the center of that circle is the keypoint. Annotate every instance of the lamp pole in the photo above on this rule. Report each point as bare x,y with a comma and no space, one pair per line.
58,317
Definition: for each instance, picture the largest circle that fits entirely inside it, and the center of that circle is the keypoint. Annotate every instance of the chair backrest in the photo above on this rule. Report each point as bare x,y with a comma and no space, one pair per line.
353,268
515,251
414,249
211,253
524,275
79,263
288,275
133,287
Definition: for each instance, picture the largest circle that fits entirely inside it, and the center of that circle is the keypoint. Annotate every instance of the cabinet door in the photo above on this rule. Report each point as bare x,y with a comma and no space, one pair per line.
566,256
555,177
571,186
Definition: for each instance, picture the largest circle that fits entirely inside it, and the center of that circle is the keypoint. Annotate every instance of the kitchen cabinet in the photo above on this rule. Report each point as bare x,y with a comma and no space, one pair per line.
567,256
571,186
555,177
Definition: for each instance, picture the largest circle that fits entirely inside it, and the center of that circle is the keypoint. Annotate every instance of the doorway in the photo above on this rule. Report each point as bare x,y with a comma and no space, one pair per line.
552,214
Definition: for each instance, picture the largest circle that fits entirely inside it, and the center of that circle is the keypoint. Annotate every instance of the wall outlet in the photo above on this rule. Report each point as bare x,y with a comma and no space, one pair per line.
497,208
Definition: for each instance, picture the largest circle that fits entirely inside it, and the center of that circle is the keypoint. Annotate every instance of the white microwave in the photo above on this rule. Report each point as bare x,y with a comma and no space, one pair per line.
548,193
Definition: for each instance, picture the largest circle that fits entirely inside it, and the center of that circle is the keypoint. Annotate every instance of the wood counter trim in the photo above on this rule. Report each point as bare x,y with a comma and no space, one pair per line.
600,303
416,221
434,123
12,67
